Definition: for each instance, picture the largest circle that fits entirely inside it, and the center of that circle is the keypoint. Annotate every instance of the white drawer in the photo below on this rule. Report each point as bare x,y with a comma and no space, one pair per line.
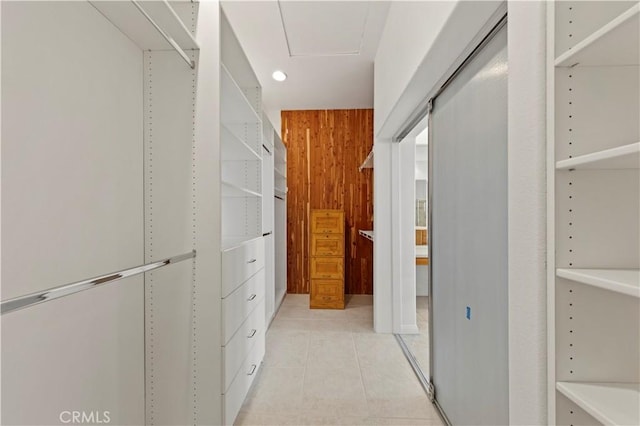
238,305
237,392
236,351
239,263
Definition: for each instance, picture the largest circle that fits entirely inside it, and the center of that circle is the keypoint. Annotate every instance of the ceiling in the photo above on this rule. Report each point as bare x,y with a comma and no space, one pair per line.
326,48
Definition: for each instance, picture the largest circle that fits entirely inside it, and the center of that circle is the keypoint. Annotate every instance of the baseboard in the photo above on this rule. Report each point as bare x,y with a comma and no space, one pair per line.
409,329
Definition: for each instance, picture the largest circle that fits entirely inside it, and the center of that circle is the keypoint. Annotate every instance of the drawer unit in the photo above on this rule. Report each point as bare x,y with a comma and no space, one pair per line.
241,262
234,396
236,350
327,222
327,293
326,261
327,267
327,245
237,306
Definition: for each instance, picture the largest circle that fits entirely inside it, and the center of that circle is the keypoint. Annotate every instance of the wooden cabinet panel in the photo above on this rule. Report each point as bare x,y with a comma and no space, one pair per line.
328,294
327,222
327,245
327,267
327,259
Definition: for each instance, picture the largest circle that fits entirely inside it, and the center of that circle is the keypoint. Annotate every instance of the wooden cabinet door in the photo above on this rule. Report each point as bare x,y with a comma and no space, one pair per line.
327,245
327,222
327,267
327,294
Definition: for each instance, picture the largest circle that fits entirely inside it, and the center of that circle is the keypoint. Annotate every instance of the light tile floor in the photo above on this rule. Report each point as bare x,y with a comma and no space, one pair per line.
418,344
328,367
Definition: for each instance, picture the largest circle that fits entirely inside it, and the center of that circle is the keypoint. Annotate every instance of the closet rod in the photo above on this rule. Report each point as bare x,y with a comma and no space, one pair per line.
166,36
65,290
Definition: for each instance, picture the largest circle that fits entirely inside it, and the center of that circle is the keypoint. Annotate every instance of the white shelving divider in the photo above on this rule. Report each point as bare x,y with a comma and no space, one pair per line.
609,403
622,157
594,234
624,281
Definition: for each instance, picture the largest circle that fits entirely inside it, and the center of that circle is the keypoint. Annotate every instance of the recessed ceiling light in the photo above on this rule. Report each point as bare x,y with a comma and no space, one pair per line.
279,75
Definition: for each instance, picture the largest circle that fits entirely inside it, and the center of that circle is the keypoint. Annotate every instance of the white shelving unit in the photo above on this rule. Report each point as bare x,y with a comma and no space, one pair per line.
280,216
241,148
594,237
268,216
246,223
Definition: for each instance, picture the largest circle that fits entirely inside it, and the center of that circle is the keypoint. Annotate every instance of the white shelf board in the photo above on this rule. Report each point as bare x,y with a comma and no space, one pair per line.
616,43
234,149
368,162
625,281
235,191
622,157
279,172
422,252
367,234
235,107
126,16
231,242
609,403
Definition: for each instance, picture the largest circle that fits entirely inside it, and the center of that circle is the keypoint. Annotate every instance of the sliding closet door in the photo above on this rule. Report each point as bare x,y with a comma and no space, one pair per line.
469,240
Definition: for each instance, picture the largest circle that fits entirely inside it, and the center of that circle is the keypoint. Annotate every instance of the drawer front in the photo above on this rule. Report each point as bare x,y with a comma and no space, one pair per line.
238,305
327,267
239,263
327,222
235,352
327,245
237,392
327,294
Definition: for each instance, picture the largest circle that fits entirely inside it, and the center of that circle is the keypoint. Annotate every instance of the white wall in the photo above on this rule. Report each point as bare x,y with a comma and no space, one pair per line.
409,33
411,28
527,213
275,118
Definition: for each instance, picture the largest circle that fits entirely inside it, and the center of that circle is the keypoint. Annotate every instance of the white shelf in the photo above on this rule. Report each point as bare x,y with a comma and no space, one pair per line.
422,252
126,16
368,162
622,157
231,242
234,149
616,43
234,191
625,281
609,403
236,107
279,172
280,192
367,234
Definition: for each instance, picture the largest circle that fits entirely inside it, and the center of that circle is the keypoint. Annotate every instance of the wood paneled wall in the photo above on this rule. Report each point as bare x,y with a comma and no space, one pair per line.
324,150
